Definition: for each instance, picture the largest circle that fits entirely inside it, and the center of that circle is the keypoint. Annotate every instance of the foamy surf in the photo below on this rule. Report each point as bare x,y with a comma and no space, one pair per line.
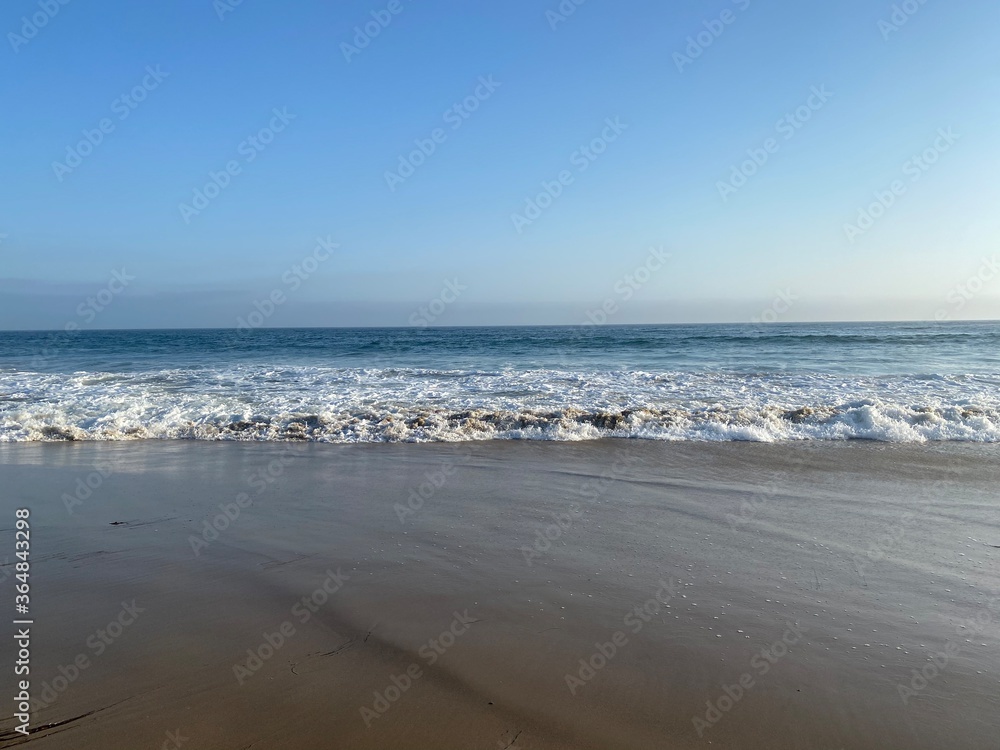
375,406
888,382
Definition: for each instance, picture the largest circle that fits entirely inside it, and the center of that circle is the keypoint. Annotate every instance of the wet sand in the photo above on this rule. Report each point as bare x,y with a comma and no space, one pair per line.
612,594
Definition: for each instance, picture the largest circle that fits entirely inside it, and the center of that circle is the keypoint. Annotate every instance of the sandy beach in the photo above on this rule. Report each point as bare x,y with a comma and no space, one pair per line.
609,594
397,375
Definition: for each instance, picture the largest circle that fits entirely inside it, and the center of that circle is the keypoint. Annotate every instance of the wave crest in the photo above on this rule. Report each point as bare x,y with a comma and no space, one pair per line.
869,419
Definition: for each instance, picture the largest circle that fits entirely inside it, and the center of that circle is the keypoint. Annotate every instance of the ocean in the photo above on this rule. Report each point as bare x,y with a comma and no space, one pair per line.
896,382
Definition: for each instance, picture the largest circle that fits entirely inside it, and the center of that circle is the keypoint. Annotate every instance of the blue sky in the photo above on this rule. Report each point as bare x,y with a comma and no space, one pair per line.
693,90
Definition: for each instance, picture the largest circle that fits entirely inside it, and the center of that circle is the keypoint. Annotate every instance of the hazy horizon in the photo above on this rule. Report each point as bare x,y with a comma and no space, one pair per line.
543,324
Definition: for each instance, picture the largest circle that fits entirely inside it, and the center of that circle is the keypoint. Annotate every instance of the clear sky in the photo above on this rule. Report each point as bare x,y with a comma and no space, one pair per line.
747,140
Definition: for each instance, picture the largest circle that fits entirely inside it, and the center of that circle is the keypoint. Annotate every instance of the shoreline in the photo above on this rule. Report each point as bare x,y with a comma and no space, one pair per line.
613,593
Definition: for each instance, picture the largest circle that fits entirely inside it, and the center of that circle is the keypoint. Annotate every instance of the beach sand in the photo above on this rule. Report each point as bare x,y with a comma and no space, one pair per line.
485,595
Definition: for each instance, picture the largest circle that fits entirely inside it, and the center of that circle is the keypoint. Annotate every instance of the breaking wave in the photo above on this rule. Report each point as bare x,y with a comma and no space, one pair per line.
353,405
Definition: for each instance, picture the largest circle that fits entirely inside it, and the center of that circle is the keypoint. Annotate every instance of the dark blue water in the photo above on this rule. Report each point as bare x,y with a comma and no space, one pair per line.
862,348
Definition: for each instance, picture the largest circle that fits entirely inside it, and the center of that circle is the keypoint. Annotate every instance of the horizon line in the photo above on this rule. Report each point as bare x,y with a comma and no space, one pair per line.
515,325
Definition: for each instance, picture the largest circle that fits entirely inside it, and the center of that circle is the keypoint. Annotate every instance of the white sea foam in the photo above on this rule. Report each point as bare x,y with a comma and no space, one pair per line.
374,405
